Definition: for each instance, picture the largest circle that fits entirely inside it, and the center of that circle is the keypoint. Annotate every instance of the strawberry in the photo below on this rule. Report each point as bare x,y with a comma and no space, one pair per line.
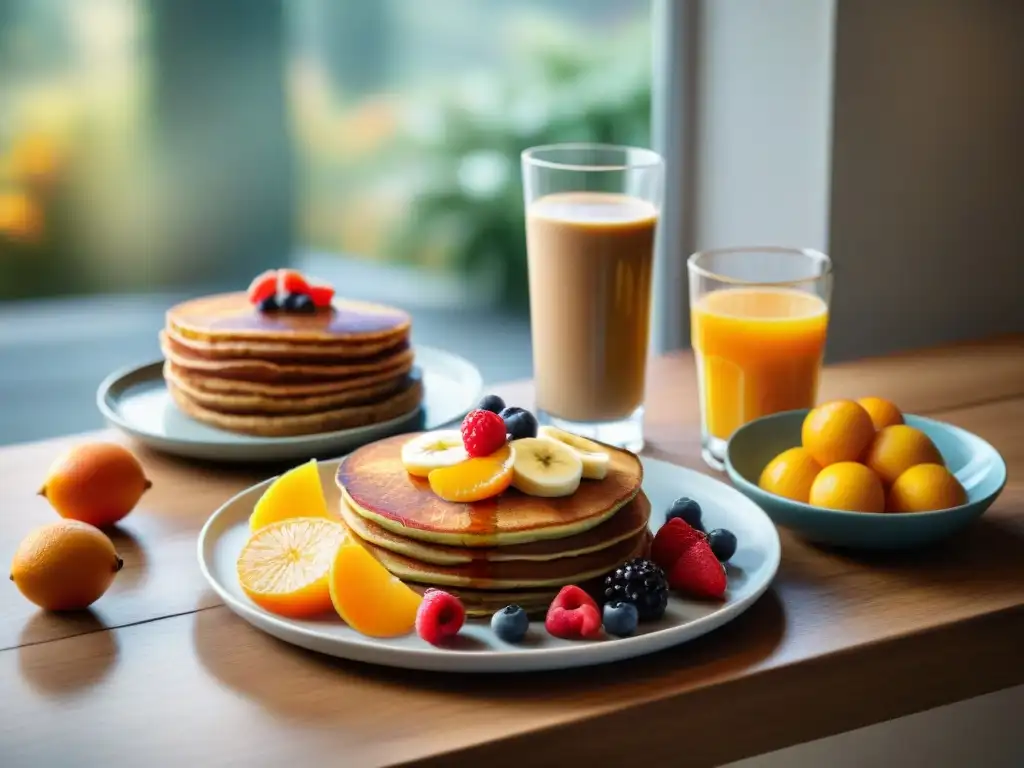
292,281
697,572
573,615
671,540
263,286
439,616
321,295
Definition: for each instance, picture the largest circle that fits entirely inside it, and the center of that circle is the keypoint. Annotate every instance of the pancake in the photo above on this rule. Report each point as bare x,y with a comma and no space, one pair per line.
624,524
376,486
213,384
338,351
235,403
399,404
512,574
266,371
230,316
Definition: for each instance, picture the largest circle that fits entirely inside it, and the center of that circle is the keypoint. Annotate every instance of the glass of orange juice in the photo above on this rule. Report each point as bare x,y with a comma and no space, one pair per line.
758,318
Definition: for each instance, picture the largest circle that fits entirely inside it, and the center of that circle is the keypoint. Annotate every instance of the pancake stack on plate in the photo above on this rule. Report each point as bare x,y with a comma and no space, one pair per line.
278,373
512,548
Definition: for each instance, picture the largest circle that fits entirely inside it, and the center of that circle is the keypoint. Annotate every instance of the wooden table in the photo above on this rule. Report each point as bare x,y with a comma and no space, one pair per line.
161,674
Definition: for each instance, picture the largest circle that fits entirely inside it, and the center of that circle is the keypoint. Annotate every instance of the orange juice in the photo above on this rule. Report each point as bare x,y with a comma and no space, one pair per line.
758,350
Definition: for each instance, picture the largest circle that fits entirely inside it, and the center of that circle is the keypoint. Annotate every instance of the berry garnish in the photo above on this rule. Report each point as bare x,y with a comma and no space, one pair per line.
298,303
292,281
510,624
269,304
519,422
573,615
262,287
723,543
687,509
671,540
620,619
321,295
642,583
483,433
492,403
439,616
697,572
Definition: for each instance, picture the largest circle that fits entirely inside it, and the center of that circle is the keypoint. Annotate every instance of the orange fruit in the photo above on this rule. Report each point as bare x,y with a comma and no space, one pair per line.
65,566
883,412
837,431
925,487
97,483
368,597
296,493
850,486
283,568
790,474
474,479
897,448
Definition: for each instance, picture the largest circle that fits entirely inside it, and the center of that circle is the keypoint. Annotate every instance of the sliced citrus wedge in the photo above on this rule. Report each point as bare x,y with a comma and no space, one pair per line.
284,567
475,479
296,493
368,597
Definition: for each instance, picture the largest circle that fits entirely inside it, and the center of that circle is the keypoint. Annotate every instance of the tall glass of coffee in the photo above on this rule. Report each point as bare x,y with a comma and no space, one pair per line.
591,216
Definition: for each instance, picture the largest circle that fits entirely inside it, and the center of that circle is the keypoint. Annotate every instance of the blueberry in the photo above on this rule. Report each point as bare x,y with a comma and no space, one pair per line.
299,303
688,510
519,422
491,403
723,543
620,619
269,304
510,624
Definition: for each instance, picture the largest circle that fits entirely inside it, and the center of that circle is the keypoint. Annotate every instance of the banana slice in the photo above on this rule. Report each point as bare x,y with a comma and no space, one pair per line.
433,450
545,467
594,457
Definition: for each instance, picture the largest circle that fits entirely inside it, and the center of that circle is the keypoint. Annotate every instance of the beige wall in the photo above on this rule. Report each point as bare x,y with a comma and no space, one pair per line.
927,190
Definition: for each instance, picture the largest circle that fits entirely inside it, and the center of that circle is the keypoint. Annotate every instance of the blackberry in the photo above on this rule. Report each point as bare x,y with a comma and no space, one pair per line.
642,583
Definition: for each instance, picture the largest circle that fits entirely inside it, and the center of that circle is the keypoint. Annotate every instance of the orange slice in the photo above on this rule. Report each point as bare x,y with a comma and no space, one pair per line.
368,597
296,493
475,479
284,567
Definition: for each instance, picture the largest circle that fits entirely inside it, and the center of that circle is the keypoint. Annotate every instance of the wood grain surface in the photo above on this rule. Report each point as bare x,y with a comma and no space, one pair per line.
161,674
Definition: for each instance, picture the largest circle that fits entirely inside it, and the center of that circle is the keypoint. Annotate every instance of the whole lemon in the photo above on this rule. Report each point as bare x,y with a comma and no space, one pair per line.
925,487
97,483
837,431
849,486
65,566
883,413
896,449
790,474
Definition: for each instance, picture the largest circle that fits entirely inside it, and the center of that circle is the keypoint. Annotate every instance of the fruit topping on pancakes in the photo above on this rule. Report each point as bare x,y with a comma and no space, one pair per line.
288,290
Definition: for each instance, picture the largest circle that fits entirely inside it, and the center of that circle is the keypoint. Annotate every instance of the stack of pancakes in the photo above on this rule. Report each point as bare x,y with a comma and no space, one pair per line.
232,366
511,549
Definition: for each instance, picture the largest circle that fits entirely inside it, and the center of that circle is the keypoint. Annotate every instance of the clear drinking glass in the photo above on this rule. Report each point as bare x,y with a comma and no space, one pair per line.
592,212
758,321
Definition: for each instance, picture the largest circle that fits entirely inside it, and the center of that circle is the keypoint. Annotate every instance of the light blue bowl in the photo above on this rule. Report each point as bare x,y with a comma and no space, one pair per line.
976,464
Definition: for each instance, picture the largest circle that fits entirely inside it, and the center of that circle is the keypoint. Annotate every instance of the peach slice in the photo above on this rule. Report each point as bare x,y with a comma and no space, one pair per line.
284,567
367,597
475,479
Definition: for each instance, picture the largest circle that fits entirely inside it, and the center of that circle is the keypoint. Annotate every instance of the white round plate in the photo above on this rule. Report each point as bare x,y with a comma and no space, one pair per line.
476,648
136,401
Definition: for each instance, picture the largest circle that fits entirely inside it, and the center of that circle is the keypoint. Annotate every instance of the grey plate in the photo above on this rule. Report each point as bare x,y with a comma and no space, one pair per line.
136,401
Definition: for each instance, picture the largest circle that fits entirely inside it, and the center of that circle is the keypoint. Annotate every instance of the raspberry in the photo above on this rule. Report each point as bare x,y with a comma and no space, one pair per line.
293,282
573,615
439,616
671,540
483,432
